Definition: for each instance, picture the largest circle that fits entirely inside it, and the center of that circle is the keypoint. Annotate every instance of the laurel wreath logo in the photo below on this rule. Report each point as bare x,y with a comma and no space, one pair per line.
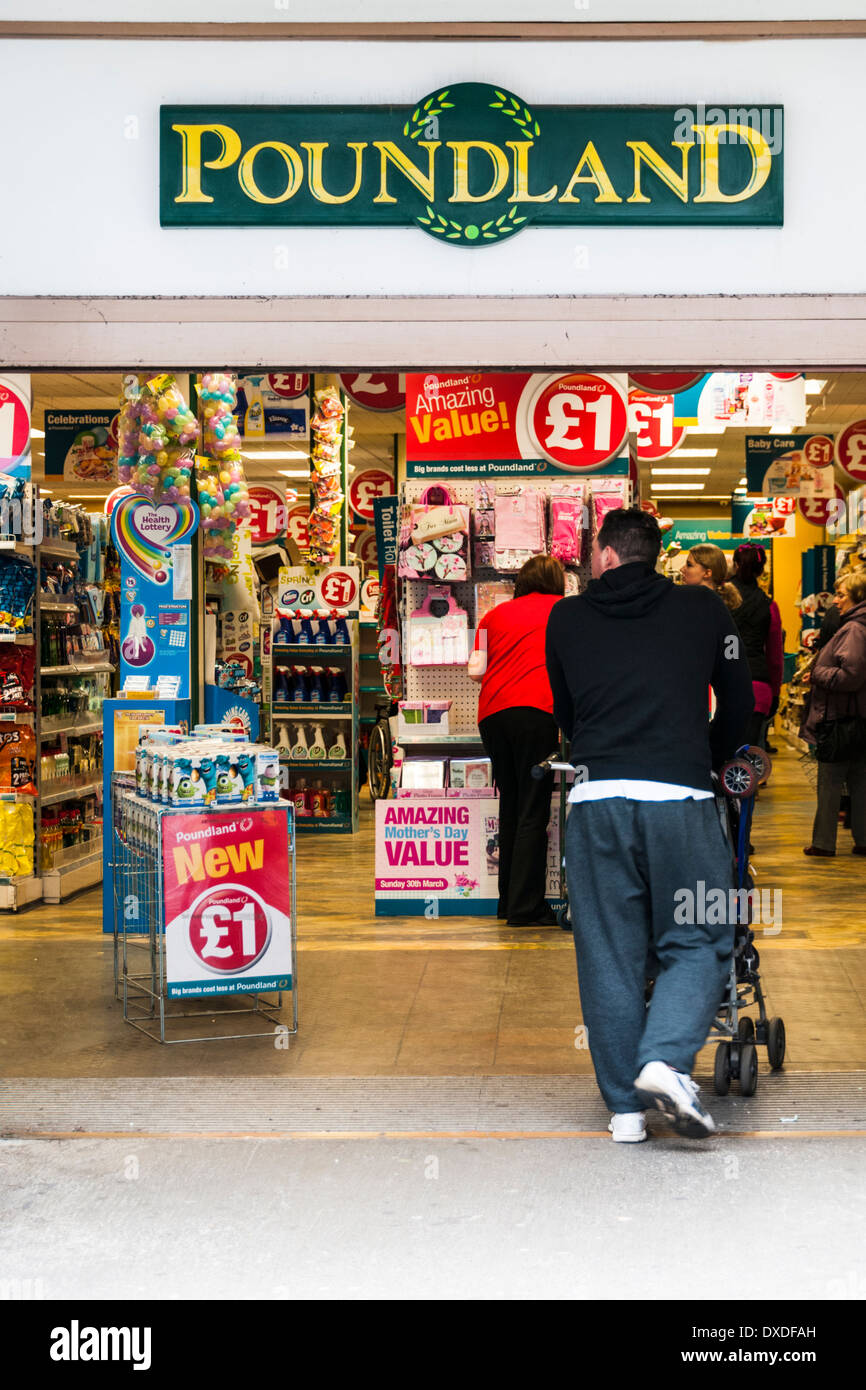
446,227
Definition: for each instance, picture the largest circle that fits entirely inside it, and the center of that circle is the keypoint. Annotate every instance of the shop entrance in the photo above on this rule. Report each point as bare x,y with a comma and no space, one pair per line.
397,978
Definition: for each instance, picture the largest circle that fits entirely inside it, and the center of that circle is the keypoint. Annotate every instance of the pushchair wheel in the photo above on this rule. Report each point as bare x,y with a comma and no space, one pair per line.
746,1029
739,778
760,760
748,1069
563,917
775,1043
722,1069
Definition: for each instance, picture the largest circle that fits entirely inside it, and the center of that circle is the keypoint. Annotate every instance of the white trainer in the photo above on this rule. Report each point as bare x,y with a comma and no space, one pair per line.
628,1128
676,1096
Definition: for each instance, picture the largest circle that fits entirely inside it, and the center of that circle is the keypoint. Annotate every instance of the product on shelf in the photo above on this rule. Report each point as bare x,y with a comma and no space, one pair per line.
17,587
17,669
16,839
17,758
434,538
438,631
519,521
489,593
204,770
326,432
568,522
223,495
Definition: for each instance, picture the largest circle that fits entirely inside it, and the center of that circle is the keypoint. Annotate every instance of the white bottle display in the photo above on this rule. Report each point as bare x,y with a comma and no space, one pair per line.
317,747
300,748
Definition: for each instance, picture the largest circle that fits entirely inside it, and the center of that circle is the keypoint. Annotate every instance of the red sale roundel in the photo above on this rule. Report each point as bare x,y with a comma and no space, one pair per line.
298,523
651,421
267,513
365,547
666,382
851,450
824,511
14,425
818,450
375,390
289,384
339,589
229,928
364,487
580,421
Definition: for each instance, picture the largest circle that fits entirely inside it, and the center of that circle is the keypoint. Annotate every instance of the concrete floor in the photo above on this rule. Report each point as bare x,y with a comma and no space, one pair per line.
434,1218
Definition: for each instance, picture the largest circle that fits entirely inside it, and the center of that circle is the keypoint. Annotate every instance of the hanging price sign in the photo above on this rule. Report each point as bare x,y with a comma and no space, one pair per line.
384,391
580,421
651,421
365,487
824,511
267,513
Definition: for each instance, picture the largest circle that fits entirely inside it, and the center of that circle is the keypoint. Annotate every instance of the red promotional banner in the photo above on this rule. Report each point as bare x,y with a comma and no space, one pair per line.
651,420
457,423
227,898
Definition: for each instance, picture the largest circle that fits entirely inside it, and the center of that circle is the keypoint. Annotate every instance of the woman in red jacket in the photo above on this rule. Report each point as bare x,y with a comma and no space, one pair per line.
515,720
838,682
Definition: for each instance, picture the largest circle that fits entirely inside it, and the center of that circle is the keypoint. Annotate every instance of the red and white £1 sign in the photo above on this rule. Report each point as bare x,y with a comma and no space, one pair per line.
580,421
289,384
376,390
267,513
364,487
651,421
228,928
824,511
298,524
339,589
851,450
14,423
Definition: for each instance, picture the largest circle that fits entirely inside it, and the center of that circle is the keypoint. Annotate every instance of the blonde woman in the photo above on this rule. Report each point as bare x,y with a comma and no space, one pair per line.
708,565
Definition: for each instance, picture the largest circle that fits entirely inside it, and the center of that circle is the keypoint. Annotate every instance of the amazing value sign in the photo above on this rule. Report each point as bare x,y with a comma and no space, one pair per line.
227,891
471,165
515,422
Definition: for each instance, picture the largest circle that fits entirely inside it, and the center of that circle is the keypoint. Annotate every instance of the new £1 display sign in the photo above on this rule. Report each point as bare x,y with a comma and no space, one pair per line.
227,887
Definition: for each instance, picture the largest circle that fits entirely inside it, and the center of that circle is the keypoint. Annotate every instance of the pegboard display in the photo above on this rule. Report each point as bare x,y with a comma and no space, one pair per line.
452,682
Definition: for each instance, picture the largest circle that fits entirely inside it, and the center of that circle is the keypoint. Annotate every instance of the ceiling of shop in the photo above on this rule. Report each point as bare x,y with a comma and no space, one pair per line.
841,400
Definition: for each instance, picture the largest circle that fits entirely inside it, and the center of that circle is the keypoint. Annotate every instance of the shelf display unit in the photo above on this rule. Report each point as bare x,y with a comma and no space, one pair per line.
323,788
20,879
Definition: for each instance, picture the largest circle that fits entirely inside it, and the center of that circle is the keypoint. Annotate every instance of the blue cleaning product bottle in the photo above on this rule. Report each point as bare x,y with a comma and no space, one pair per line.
300,685
337,691
281,693
323,633
341,632
305,636
317,685
286,634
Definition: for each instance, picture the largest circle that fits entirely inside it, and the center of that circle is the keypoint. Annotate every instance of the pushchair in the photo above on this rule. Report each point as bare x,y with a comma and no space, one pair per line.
738,1034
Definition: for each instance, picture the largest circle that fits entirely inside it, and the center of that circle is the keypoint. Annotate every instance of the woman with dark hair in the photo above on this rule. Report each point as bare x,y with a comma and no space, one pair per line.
759,624
515,720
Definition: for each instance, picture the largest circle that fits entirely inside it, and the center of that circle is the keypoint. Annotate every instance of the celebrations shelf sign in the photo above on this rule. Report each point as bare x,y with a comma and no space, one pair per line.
471,164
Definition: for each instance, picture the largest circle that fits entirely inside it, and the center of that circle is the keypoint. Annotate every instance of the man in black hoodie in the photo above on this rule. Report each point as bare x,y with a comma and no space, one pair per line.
630,662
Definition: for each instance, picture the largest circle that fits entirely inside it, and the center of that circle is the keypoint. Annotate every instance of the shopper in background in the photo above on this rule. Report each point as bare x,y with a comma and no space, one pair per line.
708,565
515,720
838,686
759,624
630,661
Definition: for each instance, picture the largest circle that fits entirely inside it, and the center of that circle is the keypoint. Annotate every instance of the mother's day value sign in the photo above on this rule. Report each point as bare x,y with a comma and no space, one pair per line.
226,881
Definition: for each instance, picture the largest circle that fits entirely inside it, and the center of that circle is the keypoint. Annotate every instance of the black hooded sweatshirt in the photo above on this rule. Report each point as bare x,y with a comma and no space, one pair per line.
630,663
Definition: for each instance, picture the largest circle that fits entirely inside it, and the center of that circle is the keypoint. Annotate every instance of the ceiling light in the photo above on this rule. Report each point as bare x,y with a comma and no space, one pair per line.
744,480
86,496
678,487
814,386
694,453
274,454
706,429
37,434
681,472
739,491
294,473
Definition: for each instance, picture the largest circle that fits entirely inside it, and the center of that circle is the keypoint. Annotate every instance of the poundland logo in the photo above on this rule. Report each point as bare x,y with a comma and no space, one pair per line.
76,1343
471,164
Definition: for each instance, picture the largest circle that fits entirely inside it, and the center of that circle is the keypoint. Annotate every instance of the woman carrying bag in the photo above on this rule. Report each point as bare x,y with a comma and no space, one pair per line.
836,720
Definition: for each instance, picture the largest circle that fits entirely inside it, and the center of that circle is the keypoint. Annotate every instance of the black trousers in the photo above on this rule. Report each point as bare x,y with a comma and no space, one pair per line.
515,740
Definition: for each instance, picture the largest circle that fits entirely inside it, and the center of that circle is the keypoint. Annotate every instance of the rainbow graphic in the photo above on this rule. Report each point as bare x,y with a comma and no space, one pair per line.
144,533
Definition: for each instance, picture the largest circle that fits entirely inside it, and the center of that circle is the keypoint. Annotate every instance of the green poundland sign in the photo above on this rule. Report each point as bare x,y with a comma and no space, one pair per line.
471,165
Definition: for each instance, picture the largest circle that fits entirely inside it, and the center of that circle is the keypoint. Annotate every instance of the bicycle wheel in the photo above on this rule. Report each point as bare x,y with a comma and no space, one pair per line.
379,762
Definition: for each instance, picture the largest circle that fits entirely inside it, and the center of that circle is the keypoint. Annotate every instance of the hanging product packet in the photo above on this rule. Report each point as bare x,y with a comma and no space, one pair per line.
568,517
434,538
17,759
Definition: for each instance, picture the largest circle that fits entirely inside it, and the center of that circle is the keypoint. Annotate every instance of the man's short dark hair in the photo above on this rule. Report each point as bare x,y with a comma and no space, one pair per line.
634,535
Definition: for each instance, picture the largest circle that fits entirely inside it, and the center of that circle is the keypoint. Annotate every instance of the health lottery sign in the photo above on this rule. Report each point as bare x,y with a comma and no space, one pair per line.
471,165
515,422
226,881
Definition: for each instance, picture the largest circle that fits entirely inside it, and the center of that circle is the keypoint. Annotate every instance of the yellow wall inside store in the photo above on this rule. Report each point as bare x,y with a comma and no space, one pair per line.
787,574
